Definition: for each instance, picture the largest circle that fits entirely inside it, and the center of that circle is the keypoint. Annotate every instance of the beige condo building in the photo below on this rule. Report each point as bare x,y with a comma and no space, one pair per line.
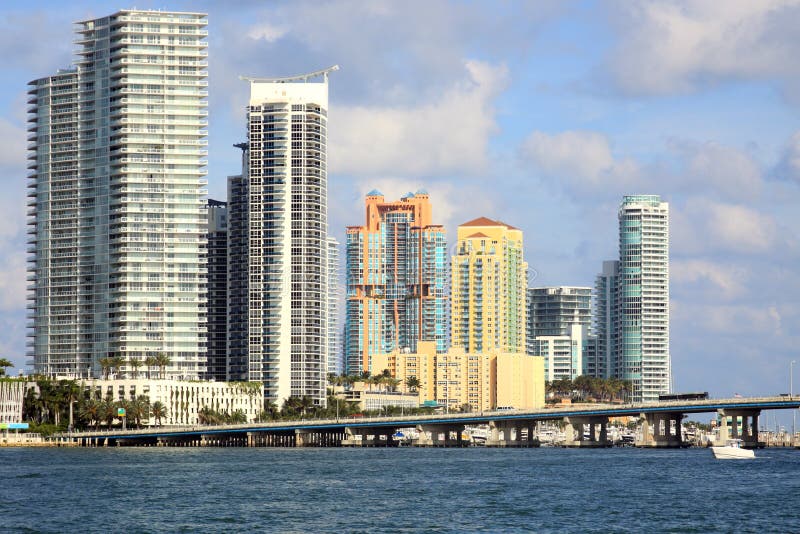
485,381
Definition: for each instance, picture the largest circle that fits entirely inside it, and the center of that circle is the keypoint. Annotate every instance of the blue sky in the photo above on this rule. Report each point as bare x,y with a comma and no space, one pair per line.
542,114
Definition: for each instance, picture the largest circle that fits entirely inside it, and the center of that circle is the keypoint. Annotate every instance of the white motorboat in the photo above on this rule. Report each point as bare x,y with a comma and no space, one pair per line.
732,450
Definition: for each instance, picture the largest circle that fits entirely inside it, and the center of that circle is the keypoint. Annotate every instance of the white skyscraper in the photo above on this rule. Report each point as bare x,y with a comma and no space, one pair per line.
287,238
117,222
632,299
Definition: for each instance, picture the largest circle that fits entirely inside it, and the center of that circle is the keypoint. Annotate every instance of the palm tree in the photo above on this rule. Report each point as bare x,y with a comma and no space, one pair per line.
306,402
412,382
162,360
392,383
135,363
90,412
139,409
271,409
159,411
105,365
4,363
374,381
108,411
71,392
117,362
150,362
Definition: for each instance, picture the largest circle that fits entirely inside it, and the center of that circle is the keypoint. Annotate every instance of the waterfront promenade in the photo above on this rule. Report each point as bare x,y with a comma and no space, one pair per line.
585,426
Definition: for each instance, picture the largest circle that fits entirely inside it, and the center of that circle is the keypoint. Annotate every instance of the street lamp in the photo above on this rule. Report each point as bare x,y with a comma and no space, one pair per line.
791,395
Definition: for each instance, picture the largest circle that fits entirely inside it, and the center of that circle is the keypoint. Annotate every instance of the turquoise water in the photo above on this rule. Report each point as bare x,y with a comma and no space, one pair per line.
396,490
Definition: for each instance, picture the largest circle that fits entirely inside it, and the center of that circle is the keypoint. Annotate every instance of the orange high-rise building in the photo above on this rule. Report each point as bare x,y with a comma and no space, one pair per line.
396,271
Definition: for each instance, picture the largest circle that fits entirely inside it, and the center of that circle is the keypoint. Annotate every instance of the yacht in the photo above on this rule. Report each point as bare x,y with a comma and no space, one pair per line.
732,450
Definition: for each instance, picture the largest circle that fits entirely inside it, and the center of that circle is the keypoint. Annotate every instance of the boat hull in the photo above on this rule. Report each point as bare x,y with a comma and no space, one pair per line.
732,453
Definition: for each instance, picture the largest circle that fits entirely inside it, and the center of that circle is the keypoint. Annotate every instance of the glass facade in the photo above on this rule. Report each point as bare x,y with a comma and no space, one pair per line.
396,276
632,298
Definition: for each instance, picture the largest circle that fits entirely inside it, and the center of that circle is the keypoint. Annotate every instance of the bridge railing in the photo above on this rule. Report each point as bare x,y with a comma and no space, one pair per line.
411,420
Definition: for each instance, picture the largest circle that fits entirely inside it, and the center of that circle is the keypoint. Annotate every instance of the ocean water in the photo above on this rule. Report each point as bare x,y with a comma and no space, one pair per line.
396,490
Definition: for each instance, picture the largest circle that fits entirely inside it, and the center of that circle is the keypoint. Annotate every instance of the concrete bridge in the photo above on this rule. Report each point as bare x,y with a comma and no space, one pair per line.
585,426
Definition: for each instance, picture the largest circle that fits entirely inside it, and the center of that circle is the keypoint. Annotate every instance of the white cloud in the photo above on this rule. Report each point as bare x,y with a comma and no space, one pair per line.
12,279
449,134
724,170
789,165
267,32
704,225
736,318
741,228
13,150
670,46
580,160
714,280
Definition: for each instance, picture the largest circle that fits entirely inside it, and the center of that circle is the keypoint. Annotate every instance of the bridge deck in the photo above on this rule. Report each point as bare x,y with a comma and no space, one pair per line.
607,410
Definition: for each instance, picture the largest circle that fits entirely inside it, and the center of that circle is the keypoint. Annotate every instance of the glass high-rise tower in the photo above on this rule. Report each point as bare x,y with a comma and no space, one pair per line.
117,222
632,298
396,271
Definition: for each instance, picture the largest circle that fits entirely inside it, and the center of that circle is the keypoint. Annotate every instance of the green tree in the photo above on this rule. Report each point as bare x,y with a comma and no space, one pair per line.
163,361
117,362
4,364
139,409
412,383
150,362
159,412
70,392
90,412
108,411
135,364
105,365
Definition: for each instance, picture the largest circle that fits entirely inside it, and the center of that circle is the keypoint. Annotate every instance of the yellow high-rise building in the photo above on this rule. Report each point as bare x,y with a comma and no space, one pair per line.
489,278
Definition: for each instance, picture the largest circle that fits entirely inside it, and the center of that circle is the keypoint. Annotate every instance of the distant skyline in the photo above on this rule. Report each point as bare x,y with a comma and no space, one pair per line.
547,112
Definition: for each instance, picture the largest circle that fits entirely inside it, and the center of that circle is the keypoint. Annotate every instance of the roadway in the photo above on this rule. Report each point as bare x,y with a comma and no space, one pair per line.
473,418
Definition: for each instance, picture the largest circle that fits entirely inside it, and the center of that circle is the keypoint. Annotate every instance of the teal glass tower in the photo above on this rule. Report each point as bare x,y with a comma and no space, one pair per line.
633,299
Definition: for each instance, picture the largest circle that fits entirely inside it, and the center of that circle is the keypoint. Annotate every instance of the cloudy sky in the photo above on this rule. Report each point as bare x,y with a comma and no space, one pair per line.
540,113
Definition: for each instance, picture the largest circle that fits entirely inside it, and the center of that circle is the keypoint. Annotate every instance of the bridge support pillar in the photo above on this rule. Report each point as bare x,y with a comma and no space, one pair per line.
743,425
666,430
439,436
586,431
509,434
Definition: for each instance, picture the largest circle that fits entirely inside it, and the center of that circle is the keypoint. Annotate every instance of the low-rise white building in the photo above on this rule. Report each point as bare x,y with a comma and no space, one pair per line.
12,393
185,399
379,399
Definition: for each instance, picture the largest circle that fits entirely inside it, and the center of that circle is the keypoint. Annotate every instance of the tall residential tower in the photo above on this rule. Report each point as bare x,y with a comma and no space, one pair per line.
396,271
117,221
633,299
287,265
217,365
489,280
